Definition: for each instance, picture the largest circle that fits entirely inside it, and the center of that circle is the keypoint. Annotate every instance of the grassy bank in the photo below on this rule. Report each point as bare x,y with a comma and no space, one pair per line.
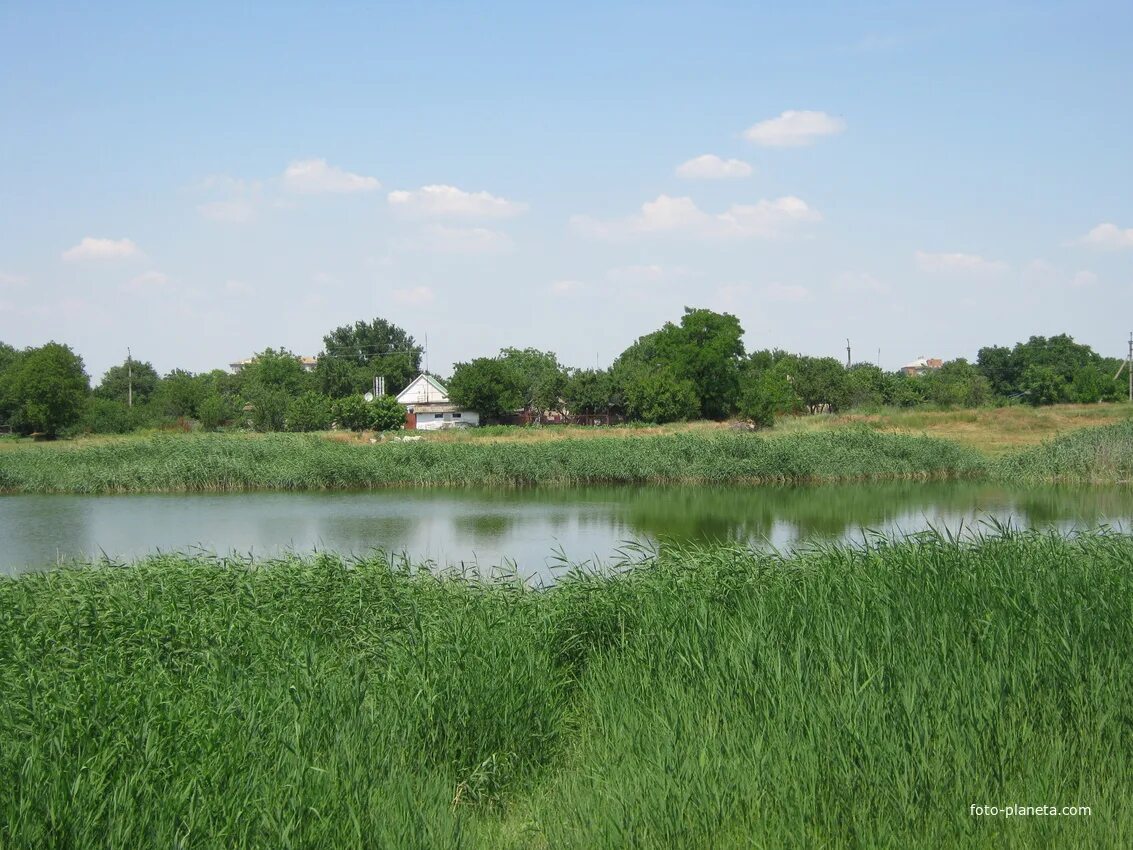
710,698
1091,455
214,462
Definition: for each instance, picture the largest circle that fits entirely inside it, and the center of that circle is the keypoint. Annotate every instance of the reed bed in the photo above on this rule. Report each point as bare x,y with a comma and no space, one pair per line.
302,462
1090,455
705,697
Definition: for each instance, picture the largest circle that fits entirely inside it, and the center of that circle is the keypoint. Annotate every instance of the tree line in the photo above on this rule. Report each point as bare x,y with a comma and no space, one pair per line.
697,368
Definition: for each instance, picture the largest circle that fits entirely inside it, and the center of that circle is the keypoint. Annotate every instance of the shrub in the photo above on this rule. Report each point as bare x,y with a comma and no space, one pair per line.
310,411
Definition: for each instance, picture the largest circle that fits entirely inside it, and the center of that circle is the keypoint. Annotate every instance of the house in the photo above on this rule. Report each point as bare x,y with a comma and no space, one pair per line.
427,407
308,363
922,365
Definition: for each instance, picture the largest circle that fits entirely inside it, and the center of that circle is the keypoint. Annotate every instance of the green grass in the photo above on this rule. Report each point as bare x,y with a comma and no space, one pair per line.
708,698
293,461
1090,455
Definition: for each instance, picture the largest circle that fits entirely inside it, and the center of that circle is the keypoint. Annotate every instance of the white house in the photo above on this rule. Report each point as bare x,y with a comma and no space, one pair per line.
428,408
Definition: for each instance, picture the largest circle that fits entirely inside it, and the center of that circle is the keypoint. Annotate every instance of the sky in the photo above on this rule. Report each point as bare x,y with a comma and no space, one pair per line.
201,181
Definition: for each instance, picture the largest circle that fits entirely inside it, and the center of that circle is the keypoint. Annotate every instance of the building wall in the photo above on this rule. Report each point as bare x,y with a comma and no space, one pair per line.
428,421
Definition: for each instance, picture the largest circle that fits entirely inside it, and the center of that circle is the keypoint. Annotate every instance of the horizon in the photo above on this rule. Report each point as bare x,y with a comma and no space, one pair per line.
200,184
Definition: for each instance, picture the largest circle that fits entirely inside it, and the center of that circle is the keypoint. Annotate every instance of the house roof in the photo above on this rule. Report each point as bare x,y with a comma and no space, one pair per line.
427,379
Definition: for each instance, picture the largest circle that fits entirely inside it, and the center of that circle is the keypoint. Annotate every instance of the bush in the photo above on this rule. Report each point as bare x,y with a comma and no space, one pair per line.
309,412
106,416
270,413
214,411
357,414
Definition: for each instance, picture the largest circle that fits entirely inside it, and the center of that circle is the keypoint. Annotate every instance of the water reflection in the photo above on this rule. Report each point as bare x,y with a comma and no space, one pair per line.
525,526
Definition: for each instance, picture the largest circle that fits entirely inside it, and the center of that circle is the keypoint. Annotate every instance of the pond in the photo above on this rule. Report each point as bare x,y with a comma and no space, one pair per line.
531,528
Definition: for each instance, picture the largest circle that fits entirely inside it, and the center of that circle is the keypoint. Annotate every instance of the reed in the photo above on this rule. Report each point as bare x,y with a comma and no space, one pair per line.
705,697
217,462
1090,455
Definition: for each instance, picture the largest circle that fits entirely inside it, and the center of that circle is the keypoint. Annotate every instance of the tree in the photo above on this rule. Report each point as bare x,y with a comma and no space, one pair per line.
709,349
310,411
178,395
117,381
705,349
820,382
367,350
273,369
660,395
957,383
386,414
488,386
539,376
866,385
589,391
45,389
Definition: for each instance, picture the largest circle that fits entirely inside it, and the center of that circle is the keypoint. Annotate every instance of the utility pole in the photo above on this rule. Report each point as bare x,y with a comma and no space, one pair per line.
129,378
847,352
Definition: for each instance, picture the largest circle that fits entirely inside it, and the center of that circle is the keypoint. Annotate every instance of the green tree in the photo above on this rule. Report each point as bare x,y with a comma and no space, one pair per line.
215,410
178,395
274,370
819,382
45,389
538,375
353,355
705,349
488,386
117,381
351,413
589,391
386,414
866,386
957,383
660,395
310,411
1042,384
270,409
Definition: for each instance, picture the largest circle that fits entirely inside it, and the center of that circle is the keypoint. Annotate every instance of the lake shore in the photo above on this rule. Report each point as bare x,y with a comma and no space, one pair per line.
707,697
247,462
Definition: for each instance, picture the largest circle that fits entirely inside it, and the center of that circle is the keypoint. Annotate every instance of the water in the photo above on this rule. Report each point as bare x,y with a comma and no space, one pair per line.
527,527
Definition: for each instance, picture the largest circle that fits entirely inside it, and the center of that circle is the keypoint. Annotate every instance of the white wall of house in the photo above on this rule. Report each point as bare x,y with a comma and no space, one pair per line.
437,421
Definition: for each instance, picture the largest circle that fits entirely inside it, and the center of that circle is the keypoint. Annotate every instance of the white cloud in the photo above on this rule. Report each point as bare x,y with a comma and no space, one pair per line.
1083,279
681,216
148,280
789,292
92,248
441,239
234,211
12,279
1108,235
962,263
316,176
446,201
794,128
711,167
859,283
238,287
566,287
415,295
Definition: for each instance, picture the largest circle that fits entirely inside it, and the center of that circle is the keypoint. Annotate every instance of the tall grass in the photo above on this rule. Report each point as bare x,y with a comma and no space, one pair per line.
1090,455
710,697
295,461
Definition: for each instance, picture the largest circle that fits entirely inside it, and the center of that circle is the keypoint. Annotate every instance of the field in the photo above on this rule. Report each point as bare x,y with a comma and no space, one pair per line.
706,698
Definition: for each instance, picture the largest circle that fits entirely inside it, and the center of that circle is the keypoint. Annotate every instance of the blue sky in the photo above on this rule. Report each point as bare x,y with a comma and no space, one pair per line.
202,181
